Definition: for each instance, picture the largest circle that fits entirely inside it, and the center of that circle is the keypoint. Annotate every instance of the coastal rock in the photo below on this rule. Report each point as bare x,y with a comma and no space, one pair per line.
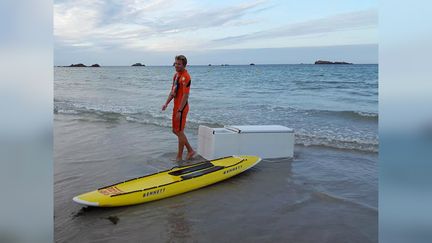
252,64
77,65
138,64
95,65
342,63
329,62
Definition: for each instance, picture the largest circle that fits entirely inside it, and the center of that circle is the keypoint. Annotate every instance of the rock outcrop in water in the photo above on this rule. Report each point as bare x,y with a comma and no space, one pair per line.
77,65
81,65
138,64
329,62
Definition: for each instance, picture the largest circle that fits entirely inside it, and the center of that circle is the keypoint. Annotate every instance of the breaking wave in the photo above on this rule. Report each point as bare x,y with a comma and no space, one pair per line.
303,137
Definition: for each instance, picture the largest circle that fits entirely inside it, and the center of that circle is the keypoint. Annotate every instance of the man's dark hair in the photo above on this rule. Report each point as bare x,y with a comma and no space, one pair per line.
182,58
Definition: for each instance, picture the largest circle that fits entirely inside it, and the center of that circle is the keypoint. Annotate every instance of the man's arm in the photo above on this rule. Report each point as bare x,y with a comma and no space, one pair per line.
170,97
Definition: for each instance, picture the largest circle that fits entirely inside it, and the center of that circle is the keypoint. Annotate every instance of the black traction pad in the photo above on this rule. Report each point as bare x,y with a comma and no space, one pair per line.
202,172
202,166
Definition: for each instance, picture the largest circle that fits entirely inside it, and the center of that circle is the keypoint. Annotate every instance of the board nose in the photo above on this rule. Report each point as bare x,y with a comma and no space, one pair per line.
80,201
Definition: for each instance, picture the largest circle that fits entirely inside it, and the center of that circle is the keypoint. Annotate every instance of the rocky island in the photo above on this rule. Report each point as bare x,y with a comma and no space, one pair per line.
138,65
328,62
77,65
81,65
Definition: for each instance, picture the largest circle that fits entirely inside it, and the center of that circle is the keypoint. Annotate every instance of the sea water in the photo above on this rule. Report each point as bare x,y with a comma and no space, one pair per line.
327,105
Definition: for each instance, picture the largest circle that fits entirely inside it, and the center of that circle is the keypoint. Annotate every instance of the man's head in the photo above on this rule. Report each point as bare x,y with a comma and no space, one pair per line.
180,63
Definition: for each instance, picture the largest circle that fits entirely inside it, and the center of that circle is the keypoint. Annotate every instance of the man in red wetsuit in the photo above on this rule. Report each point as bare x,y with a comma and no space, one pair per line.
180,93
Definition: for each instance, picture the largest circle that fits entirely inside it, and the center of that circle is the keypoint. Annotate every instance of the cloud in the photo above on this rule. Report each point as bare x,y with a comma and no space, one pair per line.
211,18
139,24
166,25
340,22
73,21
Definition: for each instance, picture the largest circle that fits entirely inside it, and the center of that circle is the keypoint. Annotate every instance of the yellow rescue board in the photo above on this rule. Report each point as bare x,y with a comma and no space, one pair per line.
167,183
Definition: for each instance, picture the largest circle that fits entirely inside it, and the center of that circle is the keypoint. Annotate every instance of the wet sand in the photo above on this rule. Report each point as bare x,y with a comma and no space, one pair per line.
322,195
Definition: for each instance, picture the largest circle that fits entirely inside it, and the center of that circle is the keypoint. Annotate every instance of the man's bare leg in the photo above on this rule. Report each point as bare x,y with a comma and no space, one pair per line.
185,142
180,147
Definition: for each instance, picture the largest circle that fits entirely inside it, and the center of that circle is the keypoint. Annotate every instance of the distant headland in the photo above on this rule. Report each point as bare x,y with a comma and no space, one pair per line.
329,62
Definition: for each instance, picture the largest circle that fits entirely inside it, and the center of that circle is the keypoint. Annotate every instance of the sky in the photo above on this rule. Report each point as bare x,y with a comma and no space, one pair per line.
111,32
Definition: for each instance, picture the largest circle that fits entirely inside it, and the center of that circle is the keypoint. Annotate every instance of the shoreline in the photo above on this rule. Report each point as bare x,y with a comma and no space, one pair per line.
112,117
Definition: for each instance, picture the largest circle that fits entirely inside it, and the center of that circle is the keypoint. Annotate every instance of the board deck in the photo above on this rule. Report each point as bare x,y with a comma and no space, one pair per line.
200,166
167,183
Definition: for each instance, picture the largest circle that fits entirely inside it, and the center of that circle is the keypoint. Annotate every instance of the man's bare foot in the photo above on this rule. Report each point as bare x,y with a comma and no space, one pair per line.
178,159
190,155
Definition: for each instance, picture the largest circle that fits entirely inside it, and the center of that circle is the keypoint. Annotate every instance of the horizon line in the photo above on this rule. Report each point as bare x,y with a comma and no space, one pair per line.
222,64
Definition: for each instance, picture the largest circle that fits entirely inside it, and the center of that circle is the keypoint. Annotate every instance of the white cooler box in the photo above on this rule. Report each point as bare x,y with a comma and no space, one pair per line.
269,141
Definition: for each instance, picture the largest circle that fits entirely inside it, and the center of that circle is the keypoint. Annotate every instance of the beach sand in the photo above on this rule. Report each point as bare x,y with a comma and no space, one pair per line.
321,195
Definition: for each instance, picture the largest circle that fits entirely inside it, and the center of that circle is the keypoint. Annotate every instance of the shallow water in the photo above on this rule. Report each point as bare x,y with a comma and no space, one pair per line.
323,194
